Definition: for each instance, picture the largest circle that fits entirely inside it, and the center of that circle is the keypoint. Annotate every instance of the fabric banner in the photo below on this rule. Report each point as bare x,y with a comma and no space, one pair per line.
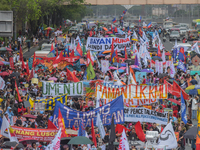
104,66
43,135
73,117
2,83
56,89
144,115
133,92
50,103
102,44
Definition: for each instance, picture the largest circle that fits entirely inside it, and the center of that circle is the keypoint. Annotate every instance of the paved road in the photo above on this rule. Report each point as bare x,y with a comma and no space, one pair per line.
28,54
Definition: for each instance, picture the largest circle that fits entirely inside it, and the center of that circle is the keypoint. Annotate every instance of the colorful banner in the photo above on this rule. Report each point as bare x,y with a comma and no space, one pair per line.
43,135
50,103
139,76
133,92
72,117
56,89
144,115
102,44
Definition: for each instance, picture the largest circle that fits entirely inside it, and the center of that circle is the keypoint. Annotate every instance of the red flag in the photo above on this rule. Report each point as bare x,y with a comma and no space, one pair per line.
119,128
73,128
10,46
72,53
176,90
79,50
20,54
23,64
117,56
61,124
71,76
116,30
51,125
34,61
52,48
31,75
126,55
133,74
112,51
159,53
111,28
19,97
169,86
139,131
90,33
11,63
27,69
93,135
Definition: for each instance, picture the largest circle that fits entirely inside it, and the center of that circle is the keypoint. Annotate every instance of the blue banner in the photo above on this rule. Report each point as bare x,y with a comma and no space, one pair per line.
73,117
174,55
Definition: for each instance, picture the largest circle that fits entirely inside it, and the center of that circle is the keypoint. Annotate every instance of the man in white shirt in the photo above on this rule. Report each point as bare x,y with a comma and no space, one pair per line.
194,107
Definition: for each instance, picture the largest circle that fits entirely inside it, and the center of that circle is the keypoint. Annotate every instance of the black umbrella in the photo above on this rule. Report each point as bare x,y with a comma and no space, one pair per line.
156,58
191,133
65,140
13,144
130,62
15,74
162,75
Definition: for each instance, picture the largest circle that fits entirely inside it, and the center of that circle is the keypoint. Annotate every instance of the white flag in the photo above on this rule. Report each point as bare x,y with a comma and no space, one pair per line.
55,145
131,80
99,124
172,72
88,145
6,130
195,48
163,56
2,83
167,137
123,145
97,100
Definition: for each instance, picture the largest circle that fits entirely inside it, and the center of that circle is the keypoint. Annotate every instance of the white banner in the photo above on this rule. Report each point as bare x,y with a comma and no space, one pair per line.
56,89
144,115
2,83
102,44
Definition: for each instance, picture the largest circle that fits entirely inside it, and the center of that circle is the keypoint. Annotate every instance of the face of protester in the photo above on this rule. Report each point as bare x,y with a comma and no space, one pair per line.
179,128
154,125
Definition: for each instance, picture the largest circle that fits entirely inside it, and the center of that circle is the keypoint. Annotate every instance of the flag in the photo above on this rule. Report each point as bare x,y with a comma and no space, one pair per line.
139,131
115,30
23,65
181,66
112,135
133,78
126,55
167,137
100,126
174,55
93,134
31,74
51,125
149,25
18,95
11,63
90,58
79,50
198,132
114,20
123,144
158,52
71,76
52,48
55,144
79,40
119,128
27,68
182,55
195,48
81,130
172,72
136,61
7,131
29,99
73,128
124,12
163,56
90,72
116,56
140,18
97,100
20,54
56,51
61,124
113,54
140,31
183,110
34,61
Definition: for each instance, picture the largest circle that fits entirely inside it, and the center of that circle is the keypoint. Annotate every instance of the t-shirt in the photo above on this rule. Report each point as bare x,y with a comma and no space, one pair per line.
18,122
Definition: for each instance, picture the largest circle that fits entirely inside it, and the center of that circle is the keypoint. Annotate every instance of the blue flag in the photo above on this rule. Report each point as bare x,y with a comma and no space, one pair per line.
174,55
183,110
181,66
81,130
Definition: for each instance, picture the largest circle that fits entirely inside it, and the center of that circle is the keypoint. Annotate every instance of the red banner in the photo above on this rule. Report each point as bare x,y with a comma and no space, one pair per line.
45,135
11,62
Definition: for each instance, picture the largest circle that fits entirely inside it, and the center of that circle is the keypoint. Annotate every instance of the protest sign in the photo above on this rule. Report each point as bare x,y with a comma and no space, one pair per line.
144,115
133,92
102,44
44,135
50,103
139,76
55,89
73,117
2,83
104,66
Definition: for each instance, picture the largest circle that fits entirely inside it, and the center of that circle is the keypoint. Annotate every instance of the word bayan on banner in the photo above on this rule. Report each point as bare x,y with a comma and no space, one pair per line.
56,89
133,92
73,117
144,115
50,103
101,44
44,135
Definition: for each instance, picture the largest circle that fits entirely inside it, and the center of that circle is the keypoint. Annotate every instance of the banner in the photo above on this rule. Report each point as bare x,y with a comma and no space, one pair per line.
73,117
56,89
2,83
43,135
50,103
144,115
139,76
102,44
104,66
133,92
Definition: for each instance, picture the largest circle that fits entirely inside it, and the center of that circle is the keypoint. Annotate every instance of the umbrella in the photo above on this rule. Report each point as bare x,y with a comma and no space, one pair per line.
120,71
191,133
134,66
122,68
6,63
105,28
52,78
147,70
130,62
3,49
49,28
106,51
16,74
8,49
156,58
13,144
114,68
29,116
174,101
193,92
117,64
1,63
167,54
136,69
162,75
4,73
27,40
28,140
80,140
109,32
65,140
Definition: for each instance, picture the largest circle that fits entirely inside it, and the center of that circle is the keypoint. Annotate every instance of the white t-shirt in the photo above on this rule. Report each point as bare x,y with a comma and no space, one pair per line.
19,39
34,40
194,106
